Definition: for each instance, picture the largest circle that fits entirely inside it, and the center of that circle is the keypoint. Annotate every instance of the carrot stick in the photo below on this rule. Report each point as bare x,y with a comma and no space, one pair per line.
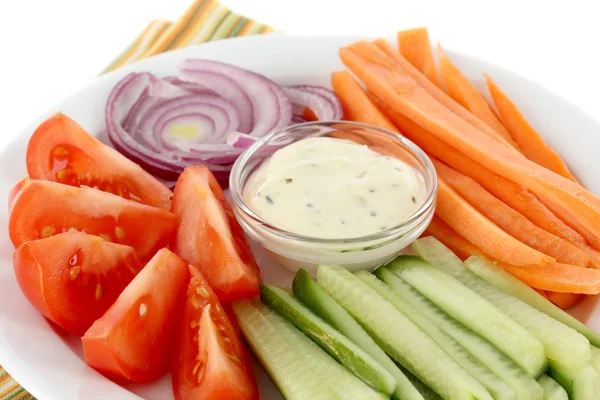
396,88
542,293
483,233
565,300
517,197
464,92
415,46
357,106
452,240
511,221
436,92
561,278
533,145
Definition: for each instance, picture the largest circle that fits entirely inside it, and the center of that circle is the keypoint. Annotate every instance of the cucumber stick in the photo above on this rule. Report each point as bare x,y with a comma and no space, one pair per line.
595,358
425,390
524,386
477,314
332,341
495,386
552,390
317,299
513,286
581,384
561,343
399,337
282,360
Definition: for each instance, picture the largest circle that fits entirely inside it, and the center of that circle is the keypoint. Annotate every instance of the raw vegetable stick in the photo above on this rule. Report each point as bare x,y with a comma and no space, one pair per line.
357,106
459,245
510,220
516,196
415,46
564,300
552,390
483,233
558,278
436,92
463,91
395,87
531,142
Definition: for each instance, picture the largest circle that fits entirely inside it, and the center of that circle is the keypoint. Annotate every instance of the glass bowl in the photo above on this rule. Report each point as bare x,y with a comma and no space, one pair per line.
294,251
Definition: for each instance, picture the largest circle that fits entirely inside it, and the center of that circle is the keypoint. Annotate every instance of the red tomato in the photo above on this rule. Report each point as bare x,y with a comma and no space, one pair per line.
134,338
210,361
73,278
44,208
210,238
60,150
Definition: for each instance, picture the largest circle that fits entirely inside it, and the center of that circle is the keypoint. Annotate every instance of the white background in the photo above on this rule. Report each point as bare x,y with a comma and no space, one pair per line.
51,47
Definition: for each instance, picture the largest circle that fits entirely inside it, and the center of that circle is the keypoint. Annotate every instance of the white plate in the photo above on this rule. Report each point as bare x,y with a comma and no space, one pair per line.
49,363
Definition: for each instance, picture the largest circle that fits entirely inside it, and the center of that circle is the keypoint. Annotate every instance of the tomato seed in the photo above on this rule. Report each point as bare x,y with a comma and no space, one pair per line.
200,374
60,151
196,301
74,272
119,233
47,231
106,237
143,309
73,260
132,270
193,324
234,358
99,291
196,367
202,291
62,174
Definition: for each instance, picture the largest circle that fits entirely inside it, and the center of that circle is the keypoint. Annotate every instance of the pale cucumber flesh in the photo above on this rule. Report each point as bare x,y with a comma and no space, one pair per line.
580,384
524,386
595,358
317,299
351,356
473,311
552,390
513,286
494,385
287,368
398,336
425,390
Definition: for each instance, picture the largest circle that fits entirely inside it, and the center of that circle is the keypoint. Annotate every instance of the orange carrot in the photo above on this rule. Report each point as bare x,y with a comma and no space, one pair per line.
482,232
309,114
565,300
517,197
357,106
542,293
561,278
452,240
415,46
402,93
531,142
435,91
464,92
511,221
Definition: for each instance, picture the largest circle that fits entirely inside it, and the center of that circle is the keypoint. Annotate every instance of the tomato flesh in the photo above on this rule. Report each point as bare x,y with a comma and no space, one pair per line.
42,209
210,238
210,361
73,278
61,150
134,338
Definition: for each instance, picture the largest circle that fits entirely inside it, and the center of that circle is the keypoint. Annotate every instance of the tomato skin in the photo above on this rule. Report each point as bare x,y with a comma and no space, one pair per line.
134,338
209,237
60,150
73,278
210,360
45,208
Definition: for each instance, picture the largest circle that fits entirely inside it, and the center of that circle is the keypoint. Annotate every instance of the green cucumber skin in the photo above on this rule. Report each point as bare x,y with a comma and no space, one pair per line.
524,386
286,367
552,390
494,385
513,286
341,381
580,384
473,311
397,335
317,299
333,342
425,390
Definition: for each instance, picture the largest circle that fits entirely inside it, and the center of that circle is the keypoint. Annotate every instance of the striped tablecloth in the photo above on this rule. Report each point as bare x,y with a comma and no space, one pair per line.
203,21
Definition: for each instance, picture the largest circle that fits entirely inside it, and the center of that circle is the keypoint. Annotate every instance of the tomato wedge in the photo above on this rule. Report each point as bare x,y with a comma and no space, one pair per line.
60,150
134,338
210,361
42,208
210,238
73,278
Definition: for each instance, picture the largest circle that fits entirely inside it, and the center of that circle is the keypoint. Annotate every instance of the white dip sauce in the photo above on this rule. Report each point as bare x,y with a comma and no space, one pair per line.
334,188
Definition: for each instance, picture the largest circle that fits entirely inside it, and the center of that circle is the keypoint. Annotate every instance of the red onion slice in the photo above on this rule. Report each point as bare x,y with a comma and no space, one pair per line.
323,102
